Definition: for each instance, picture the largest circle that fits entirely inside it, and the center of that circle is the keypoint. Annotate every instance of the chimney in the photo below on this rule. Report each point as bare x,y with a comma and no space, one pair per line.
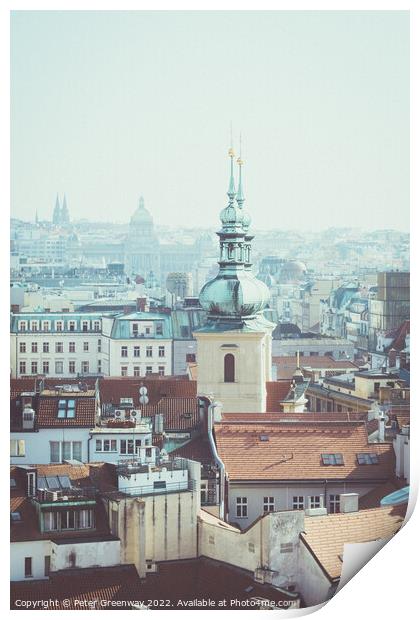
141,304
349,502
381,428
392,358
14,308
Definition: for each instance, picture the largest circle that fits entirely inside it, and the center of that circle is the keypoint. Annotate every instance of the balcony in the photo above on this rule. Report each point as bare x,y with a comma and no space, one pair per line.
126,467
150,489
76,495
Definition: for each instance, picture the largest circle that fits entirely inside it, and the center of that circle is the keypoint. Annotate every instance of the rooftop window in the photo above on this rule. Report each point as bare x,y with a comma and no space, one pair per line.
12,483
264,438
15,516
332,459
367,458
66,408
54,483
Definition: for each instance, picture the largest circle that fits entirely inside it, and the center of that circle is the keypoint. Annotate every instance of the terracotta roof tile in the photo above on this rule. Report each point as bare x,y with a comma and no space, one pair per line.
89,585
85,412
327,535
293,451
197,449
276,391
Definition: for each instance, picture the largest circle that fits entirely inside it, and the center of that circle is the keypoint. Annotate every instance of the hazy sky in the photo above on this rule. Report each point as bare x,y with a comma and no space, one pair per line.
107,106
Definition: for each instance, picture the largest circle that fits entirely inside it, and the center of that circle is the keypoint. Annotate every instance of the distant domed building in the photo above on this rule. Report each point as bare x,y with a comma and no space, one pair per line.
142,247
293,271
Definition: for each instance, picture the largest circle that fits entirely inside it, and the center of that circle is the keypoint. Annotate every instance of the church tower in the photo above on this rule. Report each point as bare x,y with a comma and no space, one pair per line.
234,346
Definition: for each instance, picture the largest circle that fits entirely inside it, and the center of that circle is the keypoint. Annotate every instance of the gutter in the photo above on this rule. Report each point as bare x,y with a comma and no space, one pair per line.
210,421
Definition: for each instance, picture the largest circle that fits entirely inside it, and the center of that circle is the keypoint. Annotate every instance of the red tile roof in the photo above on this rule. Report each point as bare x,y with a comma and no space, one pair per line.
286,365
276,392
85,412
293,451
112,389
326,535
197,450
88,588
307,416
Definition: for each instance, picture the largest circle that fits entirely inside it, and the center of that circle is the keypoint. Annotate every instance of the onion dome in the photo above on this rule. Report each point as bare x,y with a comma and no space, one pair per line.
236,296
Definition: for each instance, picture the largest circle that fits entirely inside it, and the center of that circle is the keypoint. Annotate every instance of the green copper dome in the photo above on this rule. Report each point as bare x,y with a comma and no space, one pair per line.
235,296
235,293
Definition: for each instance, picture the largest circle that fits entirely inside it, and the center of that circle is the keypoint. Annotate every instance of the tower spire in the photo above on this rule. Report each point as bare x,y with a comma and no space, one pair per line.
240,198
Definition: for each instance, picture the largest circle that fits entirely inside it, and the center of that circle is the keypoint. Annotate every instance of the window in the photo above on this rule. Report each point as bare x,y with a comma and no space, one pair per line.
149,370
84,519
15,517
242,507
124,352
135,329
28,567
22,347
315,501
124,371
159,329
66,450
96,326
334,503
59,368
34,326
147,330
47,565
136,371
34,368
114,522
22,326
268,504
72,367
367,458
45,368
85,367
99,366
77,450
148,452
17,447
161,370
72,347
106,445
45,347
126,446
149,351
72,326
99,345
161,351
50,521
286,547
159,484
203,492
66,408
85,326
136,351
30,483
298,502
45,326
54,451
251,547
68,520
34,347
229,368
22,368
59,326
85,346
332,459
59,347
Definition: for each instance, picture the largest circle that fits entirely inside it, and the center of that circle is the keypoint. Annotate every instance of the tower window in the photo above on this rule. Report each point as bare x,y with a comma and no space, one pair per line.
229,368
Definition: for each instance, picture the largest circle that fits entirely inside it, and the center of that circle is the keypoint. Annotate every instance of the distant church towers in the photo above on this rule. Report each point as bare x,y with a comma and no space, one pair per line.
61,216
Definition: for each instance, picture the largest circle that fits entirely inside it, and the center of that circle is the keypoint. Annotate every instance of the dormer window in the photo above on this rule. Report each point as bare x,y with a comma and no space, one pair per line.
332,459
16,517
66,408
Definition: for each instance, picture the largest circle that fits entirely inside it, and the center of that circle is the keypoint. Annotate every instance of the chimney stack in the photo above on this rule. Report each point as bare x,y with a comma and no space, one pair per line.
349,502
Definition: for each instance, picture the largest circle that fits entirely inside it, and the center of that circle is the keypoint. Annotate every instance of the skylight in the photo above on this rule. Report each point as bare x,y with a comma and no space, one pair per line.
332,459
15,516
367,458
54,482
264,438
66,408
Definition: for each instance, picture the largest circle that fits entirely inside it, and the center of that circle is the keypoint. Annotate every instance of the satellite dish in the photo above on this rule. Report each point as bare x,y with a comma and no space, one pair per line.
118,413
143,390
134,413
143,400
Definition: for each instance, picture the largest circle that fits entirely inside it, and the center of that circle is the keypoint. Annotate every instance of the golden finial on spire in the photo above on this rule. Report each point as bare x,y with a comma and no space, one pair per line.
231,152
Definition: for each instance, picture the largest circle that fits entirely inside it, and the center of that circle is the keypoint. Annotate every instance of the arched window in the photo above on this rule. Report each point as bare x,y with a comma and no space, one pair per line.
229,368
